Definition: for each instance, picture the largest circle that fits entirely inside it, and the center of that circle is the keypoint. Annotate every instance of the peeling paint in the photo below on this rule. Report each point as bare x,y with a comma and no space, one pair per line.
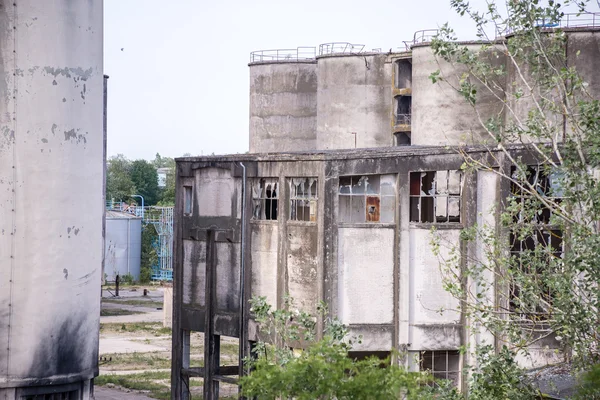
73,134
70,72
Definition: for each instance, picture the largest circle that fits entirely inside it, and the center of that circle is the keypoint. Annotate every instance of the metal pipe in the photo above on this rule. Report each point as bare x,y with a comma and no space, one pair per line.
141,197
242,322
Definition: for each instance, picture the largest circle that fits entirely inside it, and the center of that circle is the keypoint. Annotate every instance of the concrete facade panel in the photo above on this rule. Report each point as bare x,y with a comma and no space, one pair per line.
354,96
373,338
436,337
228,277
283,107
263,250
366,275
429,296
440,115
194,272
215,190
302,266
51,180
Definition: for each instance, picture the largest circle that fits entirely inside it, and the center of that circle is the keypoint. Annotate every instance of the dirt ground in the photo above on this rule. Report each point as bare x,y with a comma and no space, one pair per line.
135,348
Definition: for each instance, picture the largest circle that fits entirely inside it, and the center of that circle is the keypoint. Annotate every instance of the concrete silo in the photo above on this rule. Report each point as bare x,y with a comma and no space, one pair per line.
354,98
440,115
283,100
51,179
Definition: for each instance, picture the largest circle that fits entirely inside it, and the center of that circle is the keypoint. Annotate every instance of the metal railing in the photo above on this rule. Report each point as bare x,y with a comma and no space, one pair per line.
572,20
284,55
422,36
340,48
403,119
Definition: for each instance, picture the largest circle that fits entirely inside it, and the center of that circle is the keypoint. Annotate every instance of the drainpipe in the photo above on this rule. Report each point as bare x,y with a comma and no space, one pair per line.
242,322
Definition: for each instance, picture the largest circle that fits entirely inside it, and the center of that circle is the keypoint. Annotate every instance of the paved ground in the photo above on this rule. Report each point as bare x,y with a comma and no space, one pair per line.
106,393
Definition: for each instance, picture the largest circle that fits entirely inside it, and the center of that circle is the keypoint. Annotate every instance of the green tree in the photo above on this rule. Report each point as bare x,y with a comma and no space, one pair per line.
119,185
167,194
323,370
549,132
145,179
149,256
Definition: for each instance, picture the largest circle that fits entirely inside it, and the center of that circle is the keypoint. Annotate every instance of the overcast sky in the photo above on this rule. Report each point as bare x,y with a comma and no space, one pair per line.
178,69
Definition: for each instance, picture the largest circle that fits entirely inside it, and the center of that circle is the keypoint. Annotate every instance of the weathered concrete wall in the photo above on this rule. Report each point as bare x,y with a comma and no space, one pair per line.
366,275
430,328
263,249
283,106
441,116
354,96
302,264
51,179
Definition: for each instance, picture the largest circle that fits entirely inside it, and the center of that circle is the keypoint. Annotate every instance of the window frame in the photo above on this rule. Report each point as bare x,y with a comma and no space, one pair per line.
263,198
377,197
433,196
309,200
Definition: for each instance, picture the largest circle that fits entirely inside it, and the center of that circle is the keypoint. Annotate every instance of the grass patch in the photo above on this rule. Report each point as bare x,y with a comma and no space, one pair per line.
155,328
112,312
134,361
144,381
135,302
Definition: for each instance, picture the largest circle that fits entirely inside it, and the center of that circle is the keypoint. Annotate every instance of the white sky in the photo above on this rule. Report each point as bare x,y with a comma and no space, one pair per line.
178,69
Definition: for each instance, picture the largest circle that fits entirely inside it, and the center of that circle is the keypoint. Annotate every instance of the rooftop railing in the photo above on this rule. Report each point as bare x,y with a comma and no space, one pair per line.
573,20
340,48
423,36
284,55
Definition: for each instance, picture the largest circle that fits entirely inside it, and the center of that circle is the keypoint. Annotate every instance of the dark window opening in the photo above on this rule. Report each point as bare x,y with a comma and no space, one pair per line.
402,138
187,200
303,199
265,199
441,364
535,242
435,196
403,74
403,110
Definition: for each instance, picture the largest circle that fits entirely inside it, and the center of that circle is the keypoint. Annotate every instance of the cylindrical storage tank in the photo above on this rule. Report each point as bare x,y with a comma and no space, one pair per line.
283,106
51,179
354,101
440,115
123,245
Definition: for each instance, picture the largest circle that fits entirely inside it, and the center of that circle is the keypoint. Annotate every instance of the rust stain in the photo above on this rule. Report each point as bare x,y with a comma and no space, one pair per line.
373,208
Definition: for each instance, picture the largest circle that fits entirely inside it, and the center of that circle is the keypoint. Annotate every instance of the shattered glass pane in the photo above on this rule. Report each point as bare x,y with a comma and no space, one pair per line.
388,185
453,209
372,184
345,184
441,209
441,182
345,209
427,179
388,207
454,178
358,185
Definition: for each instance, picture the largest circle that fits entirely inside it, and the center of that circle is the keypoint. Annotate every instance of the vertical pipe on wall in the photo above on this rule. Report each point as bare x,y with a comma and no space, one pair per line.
242,322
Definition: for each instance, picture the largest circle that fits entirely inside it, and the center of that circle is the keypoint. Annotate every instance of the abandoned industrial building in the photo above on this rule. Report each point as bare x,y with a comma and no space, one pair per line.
353,160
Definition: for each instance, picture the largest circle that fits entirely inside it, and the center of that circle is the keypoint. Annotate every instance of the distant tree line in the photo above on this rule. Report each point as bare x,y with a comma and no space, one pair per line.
125,178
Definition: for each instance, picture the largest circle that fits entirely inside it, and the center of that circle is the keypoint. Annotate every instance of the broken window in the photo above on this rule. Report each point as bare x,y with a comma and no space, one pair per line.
435,196
402,138
187,200
367,198
303,199
265,198
403,74
403,110
443,364
535,242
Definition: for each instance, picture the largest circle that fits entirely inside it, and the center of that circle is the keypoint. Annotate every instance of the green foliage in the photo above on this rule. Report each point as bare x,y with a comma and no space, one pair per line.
539,290
167,194
145,179
323,369
589,388
119,185
149,256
